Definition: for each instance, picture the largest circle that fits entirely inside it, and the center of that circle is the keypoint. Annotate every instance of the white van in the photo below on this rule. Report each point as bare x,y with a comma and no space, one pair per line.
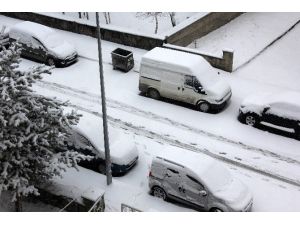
198,181
183,77
41,43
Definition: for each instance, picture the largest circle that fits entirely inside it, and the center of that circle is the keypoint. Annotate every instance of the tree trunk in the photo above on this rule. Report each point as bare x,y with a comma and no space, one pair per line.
156,24
87,15
106,19
79,13
18,204
108,16
172,17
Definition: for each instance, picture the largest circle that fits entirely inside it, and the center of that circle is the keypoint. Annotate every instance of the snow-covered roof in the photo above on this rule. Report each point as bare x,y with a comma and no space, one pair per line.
34,29
180,61
206,168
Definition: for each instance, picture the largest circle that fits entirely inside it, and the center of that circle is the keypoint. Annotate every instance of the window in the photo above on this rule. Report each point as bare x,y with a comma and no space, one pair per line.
195,181
188,81
173,171
36,43
196,83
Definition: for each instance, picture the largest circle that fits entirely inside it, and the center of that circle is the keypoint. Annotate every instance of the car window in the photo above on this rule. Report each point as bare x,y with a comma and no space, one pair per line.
188,81
173,171
36,43
194,183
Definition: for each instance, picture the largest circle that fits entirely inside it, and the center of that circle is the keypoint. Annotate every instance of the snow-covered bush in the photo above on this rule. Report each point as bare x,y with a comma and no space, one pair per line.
32,128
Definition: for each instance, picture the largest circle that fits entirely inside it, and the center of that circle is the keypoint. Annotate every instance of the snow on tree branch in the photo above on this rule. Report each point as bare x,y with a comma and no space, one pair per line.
33,130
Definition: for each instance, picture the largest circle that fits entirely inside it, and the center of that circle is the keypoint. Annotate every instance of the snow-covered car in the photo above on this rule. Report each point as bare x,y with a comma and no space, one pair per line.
87,138
42,43
279,111
198,181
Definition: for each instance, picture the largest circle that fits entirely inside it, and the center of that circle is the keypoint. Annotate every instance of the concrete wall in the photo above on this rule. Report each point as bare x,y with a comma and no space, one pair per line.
129,39
224,63
200,28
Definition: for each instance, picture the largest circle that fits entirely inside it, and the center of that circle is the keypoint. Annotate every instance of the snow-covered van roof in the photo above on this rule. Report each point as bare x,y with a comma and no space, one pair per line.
182,62
34,29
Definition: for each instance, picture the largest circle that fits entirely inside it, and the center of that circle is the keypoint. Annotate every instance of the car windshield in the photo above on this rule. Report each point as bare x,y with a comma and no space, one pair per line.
217,177
53,40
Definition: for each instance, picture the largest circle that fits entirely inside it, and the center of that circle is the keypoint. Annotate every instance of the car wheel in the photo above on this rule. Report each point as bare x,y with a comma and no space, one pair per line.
159,193
152,93
251,119
204,107
50,62
216,210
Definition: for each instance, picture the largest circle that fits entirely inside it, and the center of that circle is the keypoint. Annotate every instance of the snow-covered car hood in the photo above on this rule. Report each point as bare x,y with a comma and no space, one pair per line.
236,195
219,90
64,50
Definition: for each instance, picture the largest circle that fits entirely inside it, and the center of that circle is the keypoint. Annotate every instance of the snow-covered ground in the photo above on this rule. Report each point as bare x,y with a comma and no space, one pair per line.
247,35
255,156
128,21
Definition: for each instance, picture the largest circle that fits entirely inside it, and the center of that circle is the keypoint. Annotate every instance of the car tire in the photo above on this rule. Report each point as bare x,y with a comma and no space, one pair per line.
203,107
251,119
158,192
216,210
152,93
50,62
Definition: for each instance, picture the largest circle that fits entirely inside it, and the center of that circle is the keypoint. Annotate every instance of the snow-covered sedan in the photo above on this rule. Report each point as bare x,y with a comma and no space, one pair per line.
41,43
87,138
279,111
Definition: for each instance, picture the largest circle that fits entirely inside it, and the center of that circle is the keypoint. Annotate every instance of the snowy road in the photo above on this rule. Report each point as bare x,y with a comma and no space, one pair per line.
142,123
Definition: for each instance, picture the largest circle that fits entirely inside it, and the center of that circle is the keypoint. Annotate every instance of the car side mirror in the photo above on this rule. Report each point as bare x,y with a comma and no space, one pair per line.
203,193
201,90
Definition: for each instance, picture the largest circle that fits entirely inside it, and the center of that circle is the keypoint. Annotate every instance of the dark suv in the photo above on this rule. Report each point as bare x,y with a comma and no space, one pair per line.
43,44
280,111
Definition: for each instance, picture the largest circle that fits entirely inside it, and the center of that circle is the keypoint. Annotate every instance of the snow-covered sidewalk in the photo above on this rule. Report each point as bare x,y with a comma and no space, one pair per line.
247,35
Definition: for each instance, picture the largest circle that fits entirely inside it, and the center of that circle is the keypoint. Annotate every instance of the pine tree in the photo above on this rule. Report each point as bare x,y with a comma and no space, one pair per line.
32,128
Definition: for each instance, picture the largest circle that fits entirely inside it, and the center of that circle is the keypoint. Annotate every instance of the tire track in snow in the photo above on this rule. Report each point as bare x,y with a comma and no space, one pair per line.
149,115
170,141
